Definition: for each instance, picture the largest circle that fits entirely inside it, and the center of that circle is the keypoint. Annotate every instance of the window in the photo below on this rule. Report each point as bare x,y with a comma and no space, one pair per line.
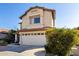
42,33
37,20
23,34
38,33
34,33
31,33
26,34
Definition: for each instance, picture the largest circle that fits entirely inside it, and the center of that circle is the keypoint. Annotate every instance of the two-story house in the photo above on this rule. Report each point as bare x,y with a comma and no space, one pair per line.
35,22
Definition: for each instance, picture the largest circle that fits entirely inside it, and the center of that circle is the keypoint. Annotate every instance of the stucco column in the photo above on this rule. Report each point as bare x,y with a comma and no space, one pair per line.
15,37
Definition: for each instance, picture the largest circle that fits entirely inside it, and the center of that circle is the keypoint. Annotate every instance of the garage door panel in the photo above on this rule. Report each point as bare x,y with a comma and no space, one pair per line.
33,40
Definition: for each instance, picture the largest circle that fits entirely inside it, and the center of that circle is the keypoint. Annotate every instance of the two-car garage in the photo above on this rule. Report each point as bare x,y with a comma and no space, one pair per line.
32,38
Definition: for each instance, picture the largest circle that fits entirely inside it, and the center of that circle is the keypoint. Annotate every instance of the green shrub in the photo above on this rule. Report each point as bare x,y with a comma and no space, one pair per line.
78,37
3,43
8,41
60,41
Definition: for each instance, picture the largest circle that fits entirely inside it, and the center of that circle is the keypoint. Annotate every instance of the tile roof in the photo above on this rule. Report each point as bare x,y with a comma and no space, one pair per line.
4,30
34,29
53,11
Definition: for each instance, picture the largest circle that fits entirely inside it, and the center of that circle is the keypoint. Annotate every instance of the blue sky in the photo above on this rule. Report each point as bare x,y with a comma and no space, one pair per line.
67,15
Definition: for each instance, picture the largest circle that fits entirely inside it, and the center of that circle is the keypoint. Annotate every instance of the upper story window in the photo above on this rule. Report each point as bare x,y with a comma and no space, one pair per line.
35,19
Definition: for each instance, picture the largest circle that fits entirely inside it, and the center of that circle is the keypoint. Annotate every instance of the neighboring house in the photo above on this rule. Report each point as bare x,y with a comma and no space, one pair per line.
35,22
3,33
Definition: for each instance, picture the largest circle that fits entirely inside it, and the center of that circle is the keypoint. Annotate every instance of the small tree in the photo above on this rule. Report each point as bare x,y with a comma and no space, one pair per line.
11,36
60,41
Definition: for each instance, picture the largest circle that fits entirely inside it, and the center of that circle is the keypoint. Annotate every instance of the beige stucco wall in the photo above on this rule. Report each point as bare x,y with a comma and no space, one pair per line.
45,19
26,21
48,20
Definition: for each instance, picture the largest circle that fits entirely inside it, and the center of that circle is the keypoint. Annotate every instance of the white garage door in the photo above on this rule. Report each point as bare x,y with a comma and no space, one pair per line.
33,39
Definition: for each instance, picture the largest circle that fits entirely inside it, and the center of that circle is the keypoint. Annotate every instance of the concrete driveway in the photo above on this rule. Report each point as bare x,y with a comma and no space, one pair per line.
22,50
27,50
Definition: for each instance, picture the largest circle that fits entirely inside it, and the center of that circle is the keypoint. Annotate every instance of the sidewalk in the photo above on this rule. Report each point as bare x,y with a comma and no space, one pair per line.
34,52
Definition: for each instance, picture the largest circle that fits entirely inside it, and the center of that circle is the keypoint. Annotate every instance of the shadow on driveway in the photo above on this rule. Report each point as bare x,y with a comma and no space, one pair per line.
18,48
40,53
